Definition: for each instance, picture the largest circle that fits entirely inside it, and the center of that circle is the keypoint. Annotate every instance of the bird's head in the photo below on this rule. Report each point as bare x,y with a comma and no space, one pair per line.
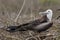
48,13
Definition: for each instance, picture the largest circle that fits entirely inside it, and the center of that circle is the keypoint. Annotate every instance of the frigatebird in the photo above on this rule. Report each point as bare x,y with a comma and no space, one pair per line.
39,25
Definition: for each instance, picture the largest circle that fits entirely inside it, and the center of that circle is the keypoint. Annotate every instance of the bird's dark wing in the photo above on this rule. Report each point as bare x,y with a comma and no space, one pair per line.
13,28
27,26
43,26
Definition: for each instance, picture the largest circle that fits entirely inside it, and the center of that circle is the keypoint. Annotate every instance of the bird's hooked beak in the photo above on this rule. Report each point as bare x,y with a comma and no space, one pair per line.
43,13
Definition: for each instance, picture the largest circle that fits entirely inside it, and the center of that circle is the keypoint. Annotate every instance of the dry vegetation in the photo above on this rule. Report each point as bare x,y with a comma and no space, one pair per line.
9,9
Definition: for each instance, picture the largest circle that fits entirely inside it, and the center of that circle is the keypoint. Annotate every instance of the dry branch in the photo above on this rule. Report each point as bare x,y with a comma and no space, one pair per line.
20,11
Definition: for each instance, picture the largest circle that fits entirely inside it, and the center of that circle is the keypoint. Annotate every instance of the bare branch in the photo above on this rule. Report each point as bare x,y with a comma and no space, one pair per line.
20,11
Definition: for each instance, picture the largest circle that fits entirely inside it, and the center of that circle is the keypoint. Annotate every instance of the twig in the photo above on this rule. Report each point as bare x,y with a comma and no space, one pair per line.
31,9
31,37
20,11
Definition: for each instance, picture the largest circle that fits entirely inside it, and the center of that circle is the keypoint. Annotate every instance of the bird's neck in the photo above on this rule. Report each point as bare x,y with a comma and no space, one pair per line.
49,16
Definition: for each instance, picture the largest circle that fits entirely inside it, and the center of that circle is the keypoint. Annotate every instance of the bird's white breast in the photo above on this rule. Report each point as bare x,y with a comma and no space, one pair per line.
49,16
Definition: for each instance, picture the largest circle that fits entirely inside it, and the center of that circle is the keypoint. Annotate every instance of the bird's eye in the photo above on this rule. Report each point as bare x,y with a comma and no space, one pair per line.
48,11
